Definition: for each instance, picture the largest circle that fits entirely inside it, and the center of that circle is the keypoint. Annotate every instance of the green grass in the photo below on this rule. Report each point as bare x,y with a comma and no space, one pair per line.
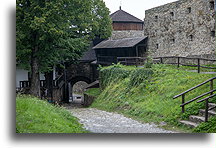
93,92
151,99
38,116
201,68
208,127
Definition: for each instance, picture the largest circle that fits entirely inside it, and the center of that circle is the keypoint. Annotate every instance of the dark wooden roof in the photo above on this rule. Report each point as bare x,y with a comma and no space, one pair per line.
88,56
122,16
121,43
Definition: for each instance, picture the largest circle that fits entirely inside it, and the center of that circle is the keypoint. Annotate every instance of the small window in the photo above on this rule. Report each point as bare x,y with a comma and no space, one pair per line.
191,37
212,5
156,17
189,9
172,13
157,46
212,33
173,40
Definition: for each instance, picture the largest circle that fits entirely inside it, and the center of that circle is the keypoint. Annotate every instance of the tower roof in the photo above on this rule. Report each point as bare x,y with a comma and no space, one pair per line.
122,16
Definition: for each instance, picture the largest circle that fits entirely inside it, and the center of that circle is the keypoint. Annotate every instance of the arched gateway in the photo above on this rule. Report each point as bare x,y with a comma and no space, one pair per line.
83,71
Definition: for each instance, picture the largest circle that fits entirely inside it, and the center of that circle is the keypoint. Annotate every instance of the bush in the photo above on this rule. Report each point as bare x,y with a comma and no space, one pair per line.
139,76
112,74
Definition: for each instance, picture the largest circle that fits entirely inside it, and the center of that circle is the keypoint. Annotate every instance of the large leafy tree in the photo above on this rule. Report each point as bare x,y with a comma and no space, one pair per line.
53,31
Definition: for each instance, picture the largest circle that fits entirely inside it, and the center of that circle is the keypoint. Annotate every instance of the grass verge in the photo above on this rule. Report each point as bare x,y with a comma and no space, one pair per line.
38,116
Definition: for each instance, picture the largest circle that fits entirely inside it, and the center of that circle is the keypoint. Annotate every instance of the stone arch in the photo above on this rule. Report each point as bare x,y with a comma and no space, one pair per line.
73,81
80,78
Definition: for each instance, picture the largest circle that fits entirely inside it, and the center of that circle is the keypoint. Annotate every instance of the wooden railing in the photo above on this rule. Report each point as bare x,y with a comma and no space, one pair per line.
59,82
211,93
179,61
187,61
132,60
106,60
26,84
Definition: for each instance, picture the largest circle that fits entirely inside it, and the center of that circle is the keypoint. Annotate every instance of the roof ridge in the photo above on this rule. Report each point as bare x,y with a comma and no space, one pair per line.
131,15
123,16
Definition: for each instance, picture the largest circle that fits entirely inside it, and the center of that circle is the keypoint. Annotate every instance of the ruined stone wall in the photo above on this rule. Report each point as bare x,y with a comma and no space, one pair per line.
182,28
126,34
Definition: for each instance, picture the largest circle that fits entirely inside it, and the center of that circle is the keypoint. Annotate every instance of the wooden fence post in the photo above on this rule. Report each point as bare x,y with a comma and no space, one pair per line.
198,65
178,62
206,110
183,101
161,60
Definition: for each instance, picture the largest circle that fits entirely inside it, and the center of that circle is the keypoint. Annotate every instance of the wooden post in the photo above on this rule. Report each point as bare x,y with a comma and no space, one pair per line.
161,60
198,64
207,102
206,110
211,86
178,62
183,101
136,62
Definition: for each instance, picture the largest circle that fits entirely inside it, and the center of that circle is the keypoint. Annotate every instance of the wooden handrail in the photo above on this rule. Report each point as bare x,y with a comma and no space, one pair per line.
208,67
130,57
209,97
198,97
194,88
207,105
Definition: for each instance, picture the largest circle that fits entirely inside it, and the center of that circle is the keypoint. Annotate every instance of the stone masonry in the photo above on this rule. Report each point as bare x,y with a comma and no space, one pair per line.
182,28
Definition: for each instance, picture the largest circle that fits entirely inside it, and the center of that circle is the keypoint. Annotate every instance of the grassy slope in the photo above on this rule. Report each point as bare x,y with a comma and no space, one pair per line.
37,116
151,101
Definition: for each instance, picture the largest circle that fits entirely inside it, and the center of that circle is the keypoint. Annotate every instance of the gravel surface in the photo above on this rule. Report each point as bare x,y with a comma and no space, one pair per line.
98,121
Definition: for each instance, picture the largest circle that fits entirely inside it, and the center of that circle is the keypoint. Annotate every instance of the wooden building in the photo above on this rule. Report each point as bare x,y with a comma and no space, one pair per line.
108,51
125,21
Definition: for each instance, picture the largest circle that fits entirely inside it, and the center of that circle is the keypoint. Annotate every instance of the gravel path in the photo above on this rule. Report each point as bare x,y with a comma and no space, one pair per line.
98,121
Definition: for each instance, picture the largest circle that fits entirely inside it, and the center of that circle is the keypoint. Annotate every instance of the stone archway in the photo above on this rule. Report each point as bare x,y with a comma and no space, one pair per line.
74,98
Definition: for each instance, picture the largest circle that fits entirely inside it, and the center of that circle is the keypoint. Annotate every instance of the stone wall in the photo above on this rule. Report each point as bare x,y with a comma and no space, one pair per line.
182,28
82,69
126,34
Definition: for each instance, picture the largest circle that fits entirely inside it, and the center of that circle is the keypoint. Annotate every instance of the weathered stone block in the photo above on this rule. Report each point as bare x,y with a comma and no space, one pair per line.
182,28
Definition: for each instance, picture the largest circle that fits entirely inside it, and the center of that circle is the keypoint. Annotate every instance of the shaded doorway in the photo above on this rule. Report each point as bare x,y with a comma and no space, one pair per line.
76,88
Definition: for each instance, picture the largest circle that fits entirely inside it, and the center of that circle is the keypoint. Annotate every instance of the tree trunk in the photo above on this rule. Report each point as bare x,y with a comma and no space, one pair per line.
35,74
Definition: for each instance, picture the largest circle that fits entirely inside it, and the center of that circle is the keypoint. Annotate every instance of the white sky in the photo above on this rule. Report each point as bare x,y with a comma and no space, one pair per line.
135,7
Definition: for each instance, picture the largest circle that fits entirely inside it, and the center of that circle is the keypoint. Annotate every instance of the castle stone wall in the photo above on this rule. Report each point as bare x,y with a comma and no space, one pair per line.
182,28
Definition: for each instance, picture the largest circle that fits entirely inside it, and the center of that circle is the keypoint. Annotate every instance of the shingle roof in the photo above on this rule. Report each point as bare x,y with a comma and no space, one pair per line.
121,43
122,16
88,55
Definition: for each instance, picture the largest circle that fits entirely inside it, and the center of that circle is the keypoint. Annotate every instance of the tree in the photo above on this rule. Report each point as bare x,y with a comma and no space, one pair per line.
52,31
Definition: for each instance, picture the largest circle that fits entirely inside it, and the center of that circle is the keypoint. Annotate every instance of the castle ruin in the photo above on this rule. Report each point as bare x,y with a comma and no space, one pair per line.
182,28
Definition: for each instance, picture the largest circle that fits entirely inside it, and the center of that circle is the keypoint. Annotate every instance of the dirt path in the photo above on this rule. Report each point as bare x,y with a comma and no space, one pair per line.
98,121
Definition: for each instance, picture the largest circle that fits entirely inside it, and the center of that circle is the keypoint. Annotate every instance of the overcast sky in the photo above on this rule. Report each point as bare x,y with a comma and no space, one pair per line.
135,7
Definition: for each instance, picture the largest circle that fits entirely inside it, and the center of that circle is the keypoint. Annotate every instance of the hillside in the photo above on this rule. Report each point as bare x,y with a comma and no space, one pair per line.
146,94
